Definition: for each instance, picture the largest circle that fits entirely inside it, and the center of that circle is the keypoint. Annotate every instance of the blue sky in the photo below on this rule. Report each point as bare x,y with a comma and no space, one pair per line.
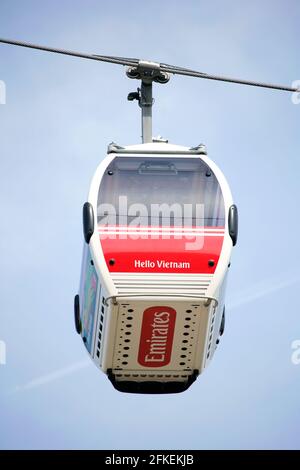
59,117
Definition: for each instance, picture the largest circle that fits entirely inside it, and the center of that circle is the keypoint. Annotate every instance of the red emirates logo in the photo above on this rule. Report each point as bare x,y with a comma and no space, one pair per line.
157,336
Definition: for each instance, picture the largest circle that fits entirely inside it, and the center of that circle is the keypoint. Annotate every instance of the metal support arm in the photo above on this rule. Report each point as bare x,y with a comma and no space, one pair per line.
145,103
147,72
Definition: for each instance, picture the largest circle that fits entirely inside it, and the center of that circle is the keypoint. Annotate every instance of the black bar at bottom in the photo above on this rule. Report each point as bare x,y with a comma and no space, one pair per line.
150,458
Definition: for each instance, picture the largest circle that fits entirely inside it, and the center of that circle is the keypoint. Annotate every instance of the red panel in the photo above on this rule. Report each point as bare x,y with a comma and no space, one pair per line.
157,336
162,250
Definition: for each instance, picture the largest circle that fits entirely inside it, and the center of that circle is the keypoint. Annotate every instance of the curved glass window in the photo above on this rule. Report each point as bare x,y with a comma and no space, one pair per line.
170,191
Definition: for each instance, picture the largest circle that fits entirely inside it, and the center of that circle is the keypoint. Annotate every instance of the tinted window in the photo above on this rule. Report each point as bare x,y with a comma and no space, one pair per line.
167,191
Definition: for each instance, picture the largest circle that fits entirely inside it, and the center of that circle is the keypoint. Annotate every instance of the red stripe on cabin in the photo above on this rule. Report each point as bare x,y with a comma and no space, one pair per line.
163,253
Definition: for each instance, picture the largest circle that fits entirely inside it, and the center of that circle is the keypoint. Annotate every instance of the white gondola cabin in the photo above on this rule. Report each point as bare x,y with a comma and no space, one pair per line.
159,227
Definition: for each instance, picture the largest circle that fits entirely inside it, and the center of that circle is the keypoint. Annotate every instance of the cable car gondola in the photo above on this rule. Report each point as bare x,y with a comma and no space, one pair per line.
151,300
159,226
